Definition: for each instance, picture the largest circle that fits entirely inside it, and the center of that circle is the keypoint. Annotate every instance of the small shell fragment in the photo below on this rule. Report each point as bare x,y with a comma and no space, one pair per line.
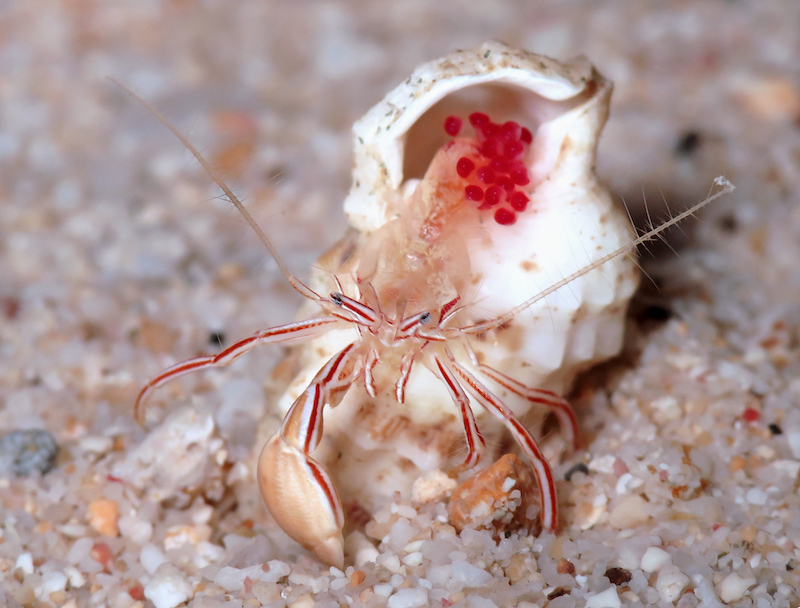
501,497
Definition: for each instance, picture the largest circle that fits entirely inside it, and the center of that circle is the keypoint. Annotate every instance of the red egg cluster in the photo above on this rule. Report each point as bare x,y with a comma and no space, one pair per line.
498,169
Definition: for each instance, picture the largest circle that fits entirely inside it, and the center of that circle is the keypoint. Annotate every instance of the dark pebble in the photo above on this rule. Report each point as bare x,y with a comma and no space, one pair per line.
728,223
618,576
557,592
578,468
23,452
688,143
657,313
775,429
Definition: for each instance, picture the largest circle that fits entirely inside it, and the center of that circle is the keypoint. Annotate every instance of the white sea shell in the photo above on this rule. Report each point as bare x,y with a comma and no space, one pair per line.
377,446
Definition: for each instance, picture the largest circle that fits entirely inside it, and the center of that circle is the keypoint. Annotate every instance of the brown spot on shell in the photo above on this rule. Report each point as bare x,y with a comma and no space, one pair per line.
477,279
485,501
382,430
406,465
529,266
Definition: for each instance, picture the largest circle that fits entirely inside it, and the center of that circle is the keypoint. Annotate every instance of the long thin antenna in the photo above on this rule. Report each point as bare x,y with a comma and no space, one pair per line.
301,287
722,182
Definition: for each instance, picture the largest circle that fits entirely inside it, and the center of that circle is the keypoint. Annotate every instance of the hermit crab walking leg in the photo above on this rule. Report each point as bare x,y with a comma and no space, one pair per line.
561,407
406,364
291,332
542,470
297,489
474,439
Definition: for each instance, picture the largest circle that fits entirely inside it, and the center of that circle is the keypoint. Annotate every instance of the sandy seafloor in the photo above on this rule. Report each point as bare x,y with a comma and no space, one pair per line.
117,260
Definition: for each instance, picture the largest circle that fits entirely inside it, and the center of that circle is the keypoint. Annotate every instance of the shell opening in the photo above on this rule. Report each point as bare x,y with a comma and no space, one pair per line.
495,177
499,100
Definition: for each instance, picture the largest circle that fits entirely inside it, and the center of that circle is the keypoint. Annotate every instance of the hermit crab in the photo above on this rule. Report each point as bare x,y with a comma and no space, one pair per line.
485,265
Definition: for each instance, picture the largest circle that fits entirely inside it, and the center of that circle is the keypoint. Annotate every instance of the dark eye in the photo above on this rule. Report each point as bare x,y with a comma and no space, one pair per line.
336,298
424,318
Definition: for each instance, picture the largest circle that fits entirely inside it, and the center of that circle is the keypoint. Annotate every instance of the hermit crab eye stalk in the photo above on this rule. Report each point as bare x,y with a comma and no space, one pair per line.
356,311
410,325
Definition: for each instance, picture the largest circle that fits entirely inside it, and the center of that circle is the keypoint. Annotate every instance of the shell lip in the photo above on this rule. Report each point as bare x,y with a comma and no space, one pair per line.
381,137
488,63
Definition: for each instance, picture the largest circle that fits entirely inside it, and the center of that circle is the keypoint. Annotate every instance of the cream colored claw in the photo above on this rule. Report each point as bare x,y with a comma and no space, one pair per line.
298,492
302,499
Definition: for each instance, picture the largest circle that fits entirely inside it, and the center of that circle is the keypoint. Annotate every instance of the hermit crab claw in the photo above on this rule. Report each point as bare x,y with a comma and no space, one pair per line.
298,491
302,499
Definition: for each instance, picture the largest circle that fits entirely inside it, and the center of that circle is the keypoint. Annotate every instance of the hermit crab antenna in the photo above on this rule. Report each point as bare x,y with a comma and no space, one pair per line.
727,187
301,287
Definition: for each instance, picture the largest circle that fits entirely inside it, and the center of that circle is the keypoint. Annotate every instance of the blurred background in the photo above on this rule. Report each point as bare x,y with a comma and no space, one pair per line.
118,258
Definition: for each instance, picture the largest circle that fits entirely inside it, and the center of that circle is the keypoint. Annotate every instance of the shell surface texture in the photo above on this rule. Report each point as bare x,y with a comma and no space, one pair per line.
484,270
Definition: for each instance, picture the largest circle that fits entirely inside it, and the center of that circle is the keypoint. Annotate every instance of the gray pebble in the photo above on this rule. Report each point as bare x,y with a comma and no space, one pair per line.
23,452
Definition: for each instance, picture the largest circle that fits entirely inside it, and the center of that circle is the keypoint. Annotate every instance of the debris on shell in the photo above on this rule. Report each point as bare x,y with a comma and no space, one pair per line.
501,497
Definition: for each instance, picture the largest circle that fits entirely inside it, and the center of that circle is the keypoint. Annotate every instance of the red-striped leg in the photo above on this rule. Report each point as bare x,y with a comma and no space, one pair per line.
567,419
297,489
541,468
561,407
474,439
402,380
369,365
300,330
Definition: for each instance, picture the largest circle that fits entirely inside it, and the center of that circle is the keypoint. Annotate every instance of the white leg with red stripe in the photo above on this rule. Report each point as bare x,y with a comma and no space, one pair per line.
300,330
567,419
562,408
472,435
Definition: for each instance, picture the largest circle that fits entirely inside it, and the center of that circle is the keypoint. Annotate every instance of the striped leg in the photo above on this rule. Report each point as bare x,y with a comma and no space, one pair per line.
475,442
402,380
297,490
561,407
284,333
369,364
544,475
